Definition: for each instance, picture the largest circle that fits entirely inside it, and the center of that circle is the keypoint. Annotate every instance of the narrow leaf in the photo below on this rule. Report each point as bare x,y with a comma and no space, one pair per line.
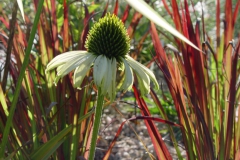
20,5
116,8
143,8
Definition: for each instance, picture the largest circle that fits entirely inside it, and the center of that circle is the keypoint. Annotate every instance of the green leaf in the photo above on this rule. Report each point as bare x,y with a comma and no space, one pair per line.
143,8
47,149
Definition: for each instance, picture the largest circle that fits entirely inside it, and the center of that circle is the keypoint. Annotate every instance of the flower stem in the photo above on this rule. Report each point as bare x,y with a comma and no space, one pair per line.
96,124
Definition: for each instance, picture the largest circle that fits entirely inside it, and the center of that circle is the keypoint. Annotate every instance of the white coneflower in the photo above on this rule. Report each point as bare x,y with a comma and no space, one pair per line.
107,50
107,46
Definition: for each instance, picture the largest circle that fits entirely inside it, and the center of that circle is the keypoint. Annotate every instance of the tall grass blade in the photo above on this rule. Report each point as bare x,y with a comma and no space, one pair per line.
116,8
9,46
19,82
44,151
143,8
232,98
160,147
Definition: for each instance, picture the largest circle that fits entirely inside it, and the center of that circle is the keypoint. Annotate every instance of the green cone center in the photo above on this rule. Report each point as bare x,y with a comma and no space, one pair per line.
108,37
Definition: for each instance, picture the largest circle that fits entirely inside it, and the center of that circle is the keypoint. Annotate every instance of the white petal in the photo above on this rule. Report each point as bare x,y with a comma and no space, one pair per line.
112,89
56,80
72,64
143,85
147,71
106,82
143,78
100,67
63,58
82,70
128,77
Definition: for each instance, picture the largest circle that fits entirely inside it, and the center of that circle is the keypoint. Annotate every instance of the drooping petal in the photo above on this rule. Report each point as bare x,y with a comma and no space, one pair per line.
56,80
82,70
72,64
143,78
128,77
112,89
100,67
143,85
106,82
63,58
147,71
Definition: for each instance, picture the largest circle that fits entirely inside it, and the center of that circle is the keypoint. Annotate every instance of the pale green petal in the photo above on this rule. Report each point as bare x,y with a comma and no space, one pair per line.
63,58
147,71
72,64
56,80
112,89
143,85
143,78
128,77
82,70
100,67
106,82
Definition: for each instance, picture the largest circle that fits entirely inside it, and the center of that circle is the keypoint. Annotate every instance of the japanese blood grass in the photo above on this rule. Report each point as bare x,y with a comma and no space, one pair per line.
19,82
203,86
202,129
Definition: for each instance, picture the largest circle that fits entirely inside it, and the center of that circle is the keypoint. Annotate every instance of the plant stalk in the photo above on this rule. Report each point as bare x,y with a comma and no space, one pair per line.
96,124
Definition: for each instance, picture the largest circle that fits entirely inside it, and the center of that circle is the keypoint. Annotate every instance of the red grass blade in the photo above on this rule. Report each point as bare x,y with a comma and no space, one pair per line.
4,21
232,98
177,17
114,141
65,27
116,8
135,20
235,14
105,9
126,13
155,119
54,28
160,147
85,29
218,24
166,7
131,119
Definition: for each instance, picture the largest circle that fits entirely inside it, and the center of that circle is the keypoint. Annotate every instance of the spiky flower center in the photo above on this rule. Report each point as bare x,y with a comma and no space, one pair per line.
108,37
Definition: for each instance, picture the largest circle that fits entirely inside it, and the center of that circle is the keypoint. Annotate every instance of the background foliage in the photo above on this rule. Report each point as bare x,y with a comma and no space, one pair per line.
200,91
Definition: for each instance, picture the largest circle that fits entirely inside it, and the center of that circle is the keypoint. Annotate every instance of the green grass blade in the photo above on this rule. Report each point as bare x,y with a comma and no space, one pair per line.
44,151
143,8
20,78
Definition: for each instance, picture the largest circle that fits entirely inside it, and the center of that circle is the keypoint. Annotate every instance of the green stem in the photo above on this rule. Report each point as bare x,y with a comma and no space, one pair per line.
19,82
96,124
